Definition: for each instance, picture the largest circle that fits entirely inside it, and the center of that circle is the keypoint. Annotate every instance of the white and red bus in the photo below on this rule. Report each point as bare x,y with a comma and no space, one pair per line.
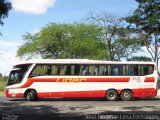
70,78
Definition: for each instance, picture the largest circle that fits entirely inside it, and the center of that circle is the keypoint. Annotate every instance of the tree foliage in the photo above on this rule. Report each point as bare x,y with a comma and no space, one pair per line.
146,19
147,16
120,40
64,41
5,6
1,75
140,58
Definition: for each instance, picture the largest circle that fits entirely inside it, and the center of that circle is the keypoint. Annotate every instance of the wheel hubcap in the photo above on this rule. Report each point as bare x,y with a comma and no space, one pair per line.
29,96
126,95
112,96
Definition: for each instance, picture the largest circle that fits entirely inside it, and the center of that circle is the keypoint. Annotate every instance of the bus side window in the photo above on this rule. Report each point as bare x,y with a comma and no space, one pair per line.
35,72
147,69
114,70
105,70
73,70
96,70
131,71
151,67
78,70
127,70
68,69
92,69
120,70
124,70
85,70
39,70
63,69
109,70
44,70
49,70
55,70
141,70
134,70
101,70
81,70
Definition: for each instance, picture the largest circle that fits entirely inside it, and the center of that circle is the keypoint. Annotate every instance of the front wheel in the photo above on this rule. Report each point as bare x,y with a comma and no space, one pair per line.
31,95
111,95
126,95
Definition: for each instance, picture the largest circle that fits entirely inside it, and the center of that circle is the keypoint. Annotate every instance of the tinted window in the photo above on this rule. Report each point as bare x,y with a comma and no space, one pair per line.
18,73
92,70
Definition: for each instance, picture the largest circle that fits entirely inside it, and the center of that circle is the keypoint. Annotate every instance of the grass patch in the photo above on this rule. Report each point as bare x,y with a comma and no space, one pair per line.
2,84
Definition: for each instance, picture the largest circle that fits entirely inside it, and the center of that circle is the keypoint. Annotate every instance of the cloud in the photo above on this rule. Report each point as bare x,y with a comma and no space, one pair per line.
32,6
36,31
8,51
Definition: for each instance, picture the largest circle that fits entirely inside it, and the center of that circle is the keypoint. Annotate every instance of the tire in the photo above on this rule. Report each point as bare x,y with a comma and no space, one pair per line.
31,95
126,95
111,95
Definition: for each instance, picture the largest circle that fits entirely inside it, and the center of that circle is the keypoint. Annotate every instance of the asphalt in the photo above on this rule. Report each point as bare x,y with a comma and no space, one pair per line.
78,109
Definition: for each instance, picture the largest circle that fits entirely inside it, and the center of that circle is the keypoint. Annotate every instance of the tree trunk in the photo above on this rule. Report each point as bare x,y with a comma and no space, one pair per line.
156,50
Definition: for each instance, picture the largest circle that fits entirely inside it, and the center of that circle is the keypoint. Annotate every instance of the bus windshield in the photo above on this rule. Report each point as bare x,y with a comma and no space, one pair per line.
17,73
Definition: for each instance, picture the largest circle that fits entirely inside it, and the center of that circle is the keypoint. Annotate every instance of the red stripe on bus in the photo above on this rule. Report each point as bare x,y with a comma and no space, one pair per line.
73,94
149,79
31,80
140,93
7,93
144,92
14,94
108,79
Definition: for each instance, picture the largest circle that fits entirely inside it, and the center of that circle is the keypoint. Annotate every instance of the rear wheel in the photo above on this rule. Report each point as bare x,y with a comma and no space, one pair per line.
111,95
31,95
126,95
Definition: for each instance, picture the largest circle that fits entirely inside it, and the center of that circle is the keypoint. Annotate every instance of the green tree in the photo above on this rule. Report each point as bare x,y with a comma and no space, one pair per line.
64,41
146,19
5,6
139,58
125,43
86,42
120,41
1,75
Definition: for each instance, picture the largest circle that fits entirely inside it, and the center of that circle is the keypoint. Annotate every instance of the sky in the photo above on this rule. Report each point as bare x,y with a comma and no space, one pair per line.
32,15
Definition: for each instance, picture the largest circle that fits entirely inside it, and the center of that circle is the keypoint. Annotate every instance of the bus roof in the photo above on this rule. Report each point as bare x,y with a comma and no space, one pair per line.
80,61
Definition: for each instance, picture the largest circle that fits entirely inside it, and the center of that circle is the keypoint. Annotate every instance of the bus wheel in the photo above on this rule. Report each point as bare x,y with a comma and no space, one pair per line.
31,95
111,95
126,95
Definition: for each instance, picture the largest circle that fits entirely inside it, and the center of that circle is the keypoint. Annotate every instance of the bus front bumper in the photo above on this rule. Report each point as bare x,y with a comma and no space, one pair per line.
13,94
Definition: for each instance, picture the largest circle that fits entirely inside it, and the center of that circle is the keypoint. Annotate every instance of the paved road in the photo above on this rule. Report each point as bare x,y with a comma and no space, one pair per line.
75,108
